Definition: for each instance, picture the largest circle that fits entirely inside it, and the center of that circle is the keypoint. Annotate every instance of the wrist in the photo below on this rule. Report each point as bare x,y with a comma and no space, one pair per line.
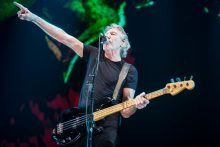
34,18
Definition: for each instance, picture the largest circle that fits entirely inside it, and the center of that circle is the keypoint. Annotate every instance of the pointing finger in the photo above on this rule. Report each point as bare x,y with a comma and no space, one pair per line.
19,5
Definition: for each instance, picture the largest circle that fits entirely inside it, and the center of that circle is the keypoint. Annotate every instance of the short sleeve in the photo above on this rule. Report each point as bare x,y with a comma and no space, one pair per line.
132,78
88,51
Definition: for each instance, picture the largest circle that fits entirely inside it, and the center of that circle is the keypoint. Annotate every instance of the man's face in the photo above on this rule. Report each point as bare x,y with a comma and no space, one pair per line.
114,40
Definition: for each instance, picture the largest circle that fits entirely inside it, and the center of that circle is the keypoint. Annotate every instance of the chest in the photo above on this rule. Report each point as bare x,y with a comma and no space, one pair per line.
109,72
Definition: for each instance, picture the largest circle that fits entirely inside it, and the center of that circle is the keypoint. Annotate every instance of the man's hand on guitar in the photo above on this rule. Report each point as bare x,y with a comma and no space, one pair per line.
140,101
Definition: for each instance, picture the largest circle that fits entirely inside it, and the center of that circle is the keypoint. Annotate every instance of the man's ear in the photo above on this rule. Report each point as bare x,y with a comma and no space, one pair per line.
124,43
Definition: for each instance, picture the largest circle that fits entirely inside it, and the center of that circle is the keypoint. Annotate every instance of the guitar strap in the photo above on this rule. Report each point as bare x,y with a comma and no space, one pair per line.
122,76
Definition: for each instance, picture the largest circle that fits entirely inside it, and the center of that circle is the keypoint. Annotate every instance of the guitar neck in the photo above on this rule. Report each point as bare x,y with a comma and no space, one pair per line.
155,94
98,115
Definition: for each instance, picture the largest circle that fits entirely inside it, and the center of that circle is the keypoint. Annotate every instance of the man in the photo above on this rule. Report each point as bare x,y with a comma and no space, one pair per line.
115,48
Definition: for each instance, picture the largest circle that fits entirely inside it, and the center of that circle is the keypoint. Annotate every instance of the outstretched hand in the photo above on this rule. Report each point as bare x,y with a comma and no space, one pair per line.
24,13
140,101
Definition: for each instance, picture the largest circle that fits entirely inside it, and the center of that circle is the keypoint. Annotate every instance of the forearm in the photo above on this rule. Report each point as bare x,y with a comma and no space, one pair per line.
126,113
59,35
50,29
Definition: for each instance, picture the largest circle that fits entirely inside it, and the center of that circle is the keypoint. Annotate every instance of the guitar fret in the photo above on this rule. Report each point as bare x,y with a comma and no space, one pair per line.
156,94
116,108
107,111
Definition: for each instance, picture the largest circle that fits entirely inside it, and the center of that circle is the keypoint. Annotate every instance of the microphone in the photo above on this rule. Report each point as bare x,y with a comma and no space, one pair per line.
103,38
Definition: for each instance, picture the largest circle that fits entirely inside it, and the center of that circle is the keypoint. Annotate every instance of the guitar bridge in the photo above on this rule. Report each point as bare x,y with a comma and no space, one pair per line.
59,129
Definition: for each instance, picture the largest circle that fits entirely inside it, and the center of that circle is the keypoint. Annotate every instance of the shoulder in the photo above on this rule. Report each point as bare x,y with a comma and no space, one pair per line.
89,47
89,50
133,70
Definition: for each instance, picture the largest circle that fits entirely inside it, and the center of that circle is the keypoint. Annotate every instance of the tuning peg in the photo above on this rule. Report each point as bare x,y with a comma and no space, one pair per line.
178,79
191,77
172,80
184,78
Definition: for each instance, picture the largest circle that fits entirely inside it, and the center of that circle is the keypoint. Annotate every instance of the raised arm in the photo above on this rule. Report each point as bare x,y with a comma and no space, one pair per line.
51,30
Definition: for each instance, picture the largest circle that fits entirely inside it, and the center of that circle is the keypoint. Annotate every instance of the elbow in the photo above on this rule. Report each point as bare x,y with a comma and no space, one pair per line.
64,38
125,115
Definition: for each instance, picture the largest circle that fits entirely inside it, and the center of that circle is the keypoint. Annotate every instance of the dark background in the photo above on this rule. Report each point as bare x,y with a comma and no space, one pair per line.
169,39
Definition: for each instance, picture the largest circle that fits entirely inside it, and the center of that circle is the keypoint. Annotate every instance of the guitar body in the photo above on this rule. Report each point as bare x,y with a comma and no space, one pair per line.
63,137
71,126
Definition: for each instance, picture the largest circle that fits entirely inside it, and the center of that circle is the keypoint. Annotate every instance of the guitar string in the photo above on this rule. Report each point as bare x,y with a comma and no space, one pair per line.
72,123
72,120
69,121
79,118
75,122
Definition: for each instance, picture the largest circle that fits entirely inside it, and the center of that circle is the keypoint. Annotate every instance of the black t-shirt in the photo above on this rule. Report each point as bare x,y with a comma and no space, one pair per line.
106,79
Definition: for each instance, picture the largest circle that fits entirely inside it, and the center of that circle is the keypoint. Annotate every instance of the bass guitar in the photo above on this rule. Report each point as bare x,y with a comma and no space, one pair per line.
72,125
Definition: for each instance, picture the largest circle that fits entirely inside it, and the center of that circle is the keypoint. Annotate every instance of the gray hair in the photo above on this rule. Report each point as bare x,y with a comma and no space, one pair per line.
124,50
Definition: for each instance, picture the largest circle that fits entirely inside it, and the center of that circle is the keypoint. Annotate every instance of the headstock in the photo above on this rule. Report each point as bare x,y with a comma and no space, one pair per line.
176,87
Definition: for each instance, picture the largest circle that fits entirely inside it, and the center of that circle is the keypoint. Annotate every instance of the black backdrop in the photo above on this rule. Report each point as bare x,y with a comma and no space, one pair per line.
169,39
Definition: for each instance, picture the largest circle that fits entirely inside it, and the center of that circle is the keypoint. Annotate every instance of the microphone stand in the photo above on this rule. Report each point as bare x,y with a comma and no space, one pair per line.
90,97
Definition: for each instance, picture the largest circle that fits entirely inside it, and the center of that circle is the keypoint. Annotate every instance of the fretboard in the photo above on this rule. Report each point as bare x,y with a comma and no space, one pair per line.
155,94
98,115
